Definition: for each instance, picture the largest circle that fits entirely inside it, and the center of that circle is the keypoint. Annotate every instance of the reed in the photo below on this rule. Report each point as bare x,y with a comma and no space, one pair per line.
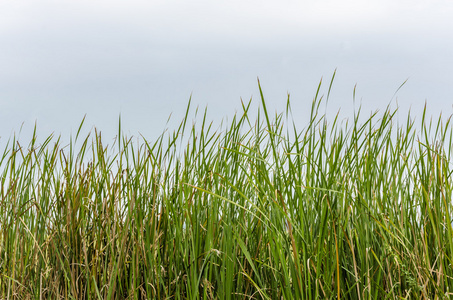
258,210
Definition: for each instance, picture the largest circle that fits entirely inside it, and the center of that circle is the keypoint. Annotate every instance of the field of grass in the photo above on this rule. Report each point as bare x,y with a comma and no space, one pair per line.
257,210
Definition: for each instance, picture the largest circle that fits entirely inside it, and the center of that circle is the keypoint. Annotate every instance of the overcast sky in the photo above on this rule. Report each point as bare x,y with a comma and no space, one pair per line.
60,60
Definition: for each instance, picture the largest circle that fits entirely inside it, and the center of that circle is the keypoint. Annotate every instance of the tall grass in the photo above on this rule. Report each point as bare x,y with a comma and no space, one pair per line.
259,210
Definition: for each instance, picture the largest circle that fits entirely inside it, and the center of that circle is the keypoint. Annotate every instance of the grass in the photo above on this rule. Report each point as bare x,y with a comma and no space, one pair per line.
259,210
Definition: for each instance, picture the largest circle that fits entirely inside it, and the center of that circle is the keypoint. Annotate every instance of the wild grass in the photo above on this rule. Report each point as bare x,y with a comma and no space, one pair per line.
259,210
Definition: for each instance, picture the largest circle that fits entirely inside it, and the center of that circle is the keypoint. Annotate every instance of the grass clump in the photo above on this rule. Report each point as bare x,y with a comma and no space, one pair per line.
260,210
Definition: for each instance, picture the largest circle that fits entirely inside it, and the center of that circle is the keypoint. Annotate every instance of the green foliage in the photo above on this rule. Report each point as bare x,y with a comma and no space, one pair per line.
260,210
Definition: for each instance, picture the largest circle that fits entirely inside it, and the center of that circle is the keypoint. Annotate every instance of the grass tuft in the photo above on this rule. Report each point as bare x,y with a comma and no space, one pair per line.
260,210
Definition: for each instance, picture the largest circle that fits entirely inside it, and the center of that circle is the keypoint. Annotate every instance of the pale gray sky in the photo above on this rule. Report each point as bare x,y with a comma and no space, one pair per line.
60,60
